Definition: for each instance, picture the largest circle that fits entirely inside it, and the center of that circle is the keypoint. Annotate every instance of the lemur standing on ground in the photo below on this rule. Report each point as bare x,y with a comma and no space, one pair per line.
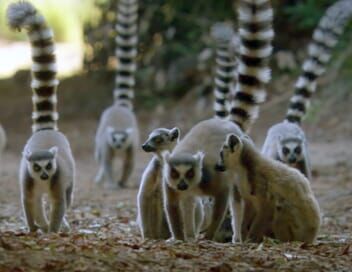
47,165
189,170
118,134
291,212
286,140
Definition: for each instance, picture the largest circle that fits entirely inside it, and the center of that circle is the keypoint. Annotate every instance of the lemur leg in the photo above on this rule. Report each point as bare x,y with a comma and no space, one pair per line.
260,223
237,210
107,166
219,211
199,216
28,207
173,213
100,175
145,206
57,212
39,212
188,210
128,165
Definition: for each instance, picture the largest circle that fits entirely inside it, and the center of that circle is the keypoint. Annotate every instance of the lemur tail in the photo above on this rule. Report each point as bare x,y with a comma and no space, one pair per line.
126,51
44,82
325,37
225,71
256,34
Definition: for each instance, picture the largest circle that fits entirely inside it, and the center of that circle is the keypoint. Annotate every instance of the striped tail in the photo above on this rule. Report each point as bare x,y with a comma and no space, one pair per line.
44,82
225,71
256,34
325,37
126,51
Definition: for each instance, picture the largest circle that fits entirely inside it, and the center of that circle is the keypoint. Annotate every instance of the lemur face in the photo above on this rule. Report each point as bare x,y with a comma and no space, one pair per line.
229,153
119,139
183,172
161,139
41,165
290,150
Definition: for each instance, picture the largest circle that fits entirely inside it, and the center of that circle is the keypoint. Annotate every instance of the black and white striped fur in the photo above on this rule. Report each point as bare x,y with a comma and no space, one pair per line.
286,141
118,133
255,18
325,37
126,51
256,34
225,69
47,165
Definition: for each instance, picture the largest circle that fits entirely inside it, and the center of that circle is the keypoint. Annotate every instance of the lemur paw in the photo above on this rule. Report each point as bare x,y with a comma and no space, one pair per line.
174,241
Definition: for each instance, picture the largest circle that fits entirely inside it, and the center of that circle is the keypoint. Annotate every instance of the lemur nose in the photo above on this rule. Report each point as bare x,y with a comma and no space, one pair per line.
182,186
44,176
220,167
292,160
147,148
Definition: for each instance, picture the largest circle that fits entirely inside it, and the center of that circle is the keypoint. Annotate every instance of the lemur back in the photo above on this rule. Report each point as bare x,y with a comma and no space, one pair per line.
225,69
286,140
47,165
118,133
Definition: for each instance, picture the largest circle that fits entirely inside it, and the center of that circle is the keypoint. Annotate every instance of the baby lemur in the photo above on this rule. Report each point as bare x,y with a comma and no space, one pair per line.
286,141
47,165
118,133
283,201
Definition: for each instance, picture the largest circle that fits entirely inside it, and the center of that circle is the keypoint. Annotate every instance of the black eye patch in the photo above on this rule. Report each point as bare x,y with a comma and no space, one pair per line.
158,140
36,167
285,150
49,166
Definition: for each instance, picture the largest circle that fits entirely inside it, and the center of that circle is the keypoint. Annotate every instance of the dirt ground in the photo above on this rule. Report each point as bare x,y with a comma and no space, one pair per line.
104,234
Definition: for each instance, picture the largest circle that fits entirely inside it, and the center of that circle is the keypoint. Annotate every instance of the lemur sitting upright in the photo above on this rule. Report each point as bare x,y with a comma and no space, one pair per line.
281,196
286,140
118,133
189,170
47,165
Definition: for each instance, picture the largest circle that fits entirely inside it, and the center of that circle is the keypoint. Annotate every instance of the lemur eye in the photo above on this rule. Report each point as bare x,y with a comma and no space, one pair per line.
285,150
190,173
298,150
158,140
36,167
174,174
49,166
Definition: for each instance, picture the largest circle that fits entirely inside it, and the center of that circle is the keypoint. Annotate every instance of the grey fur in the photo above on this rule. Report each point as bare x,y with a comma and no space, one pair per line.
58,186
288,135
208,137
268,186
116,118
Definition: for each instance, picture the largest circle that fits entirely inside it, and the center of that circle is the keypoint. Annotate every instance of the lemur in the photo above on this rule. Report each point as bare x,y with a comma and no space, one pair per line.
47,165
151,216
291,211
189,169
286,140
118,133
3,141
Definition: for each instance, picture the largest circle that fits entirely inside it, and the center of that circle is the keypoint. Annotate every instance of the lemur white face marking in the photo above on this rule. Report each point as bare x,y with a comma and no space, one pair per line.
183,172
41,165
119,139
229,153
161,139
290,150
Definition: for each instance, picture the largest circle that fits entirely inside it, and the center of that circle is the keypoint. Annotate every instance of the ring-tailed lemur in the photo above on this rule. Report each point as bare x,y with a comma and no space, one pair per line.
286,141
225,67
190,173
151,215
283,200
118,134
47,165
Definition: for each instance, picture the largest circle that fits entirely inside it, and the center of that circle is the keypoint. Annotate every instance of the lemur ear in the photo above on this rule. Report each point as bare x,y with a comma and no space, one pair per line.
110,130
129,131
233,141
199,156
174,133
27,154
54,150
